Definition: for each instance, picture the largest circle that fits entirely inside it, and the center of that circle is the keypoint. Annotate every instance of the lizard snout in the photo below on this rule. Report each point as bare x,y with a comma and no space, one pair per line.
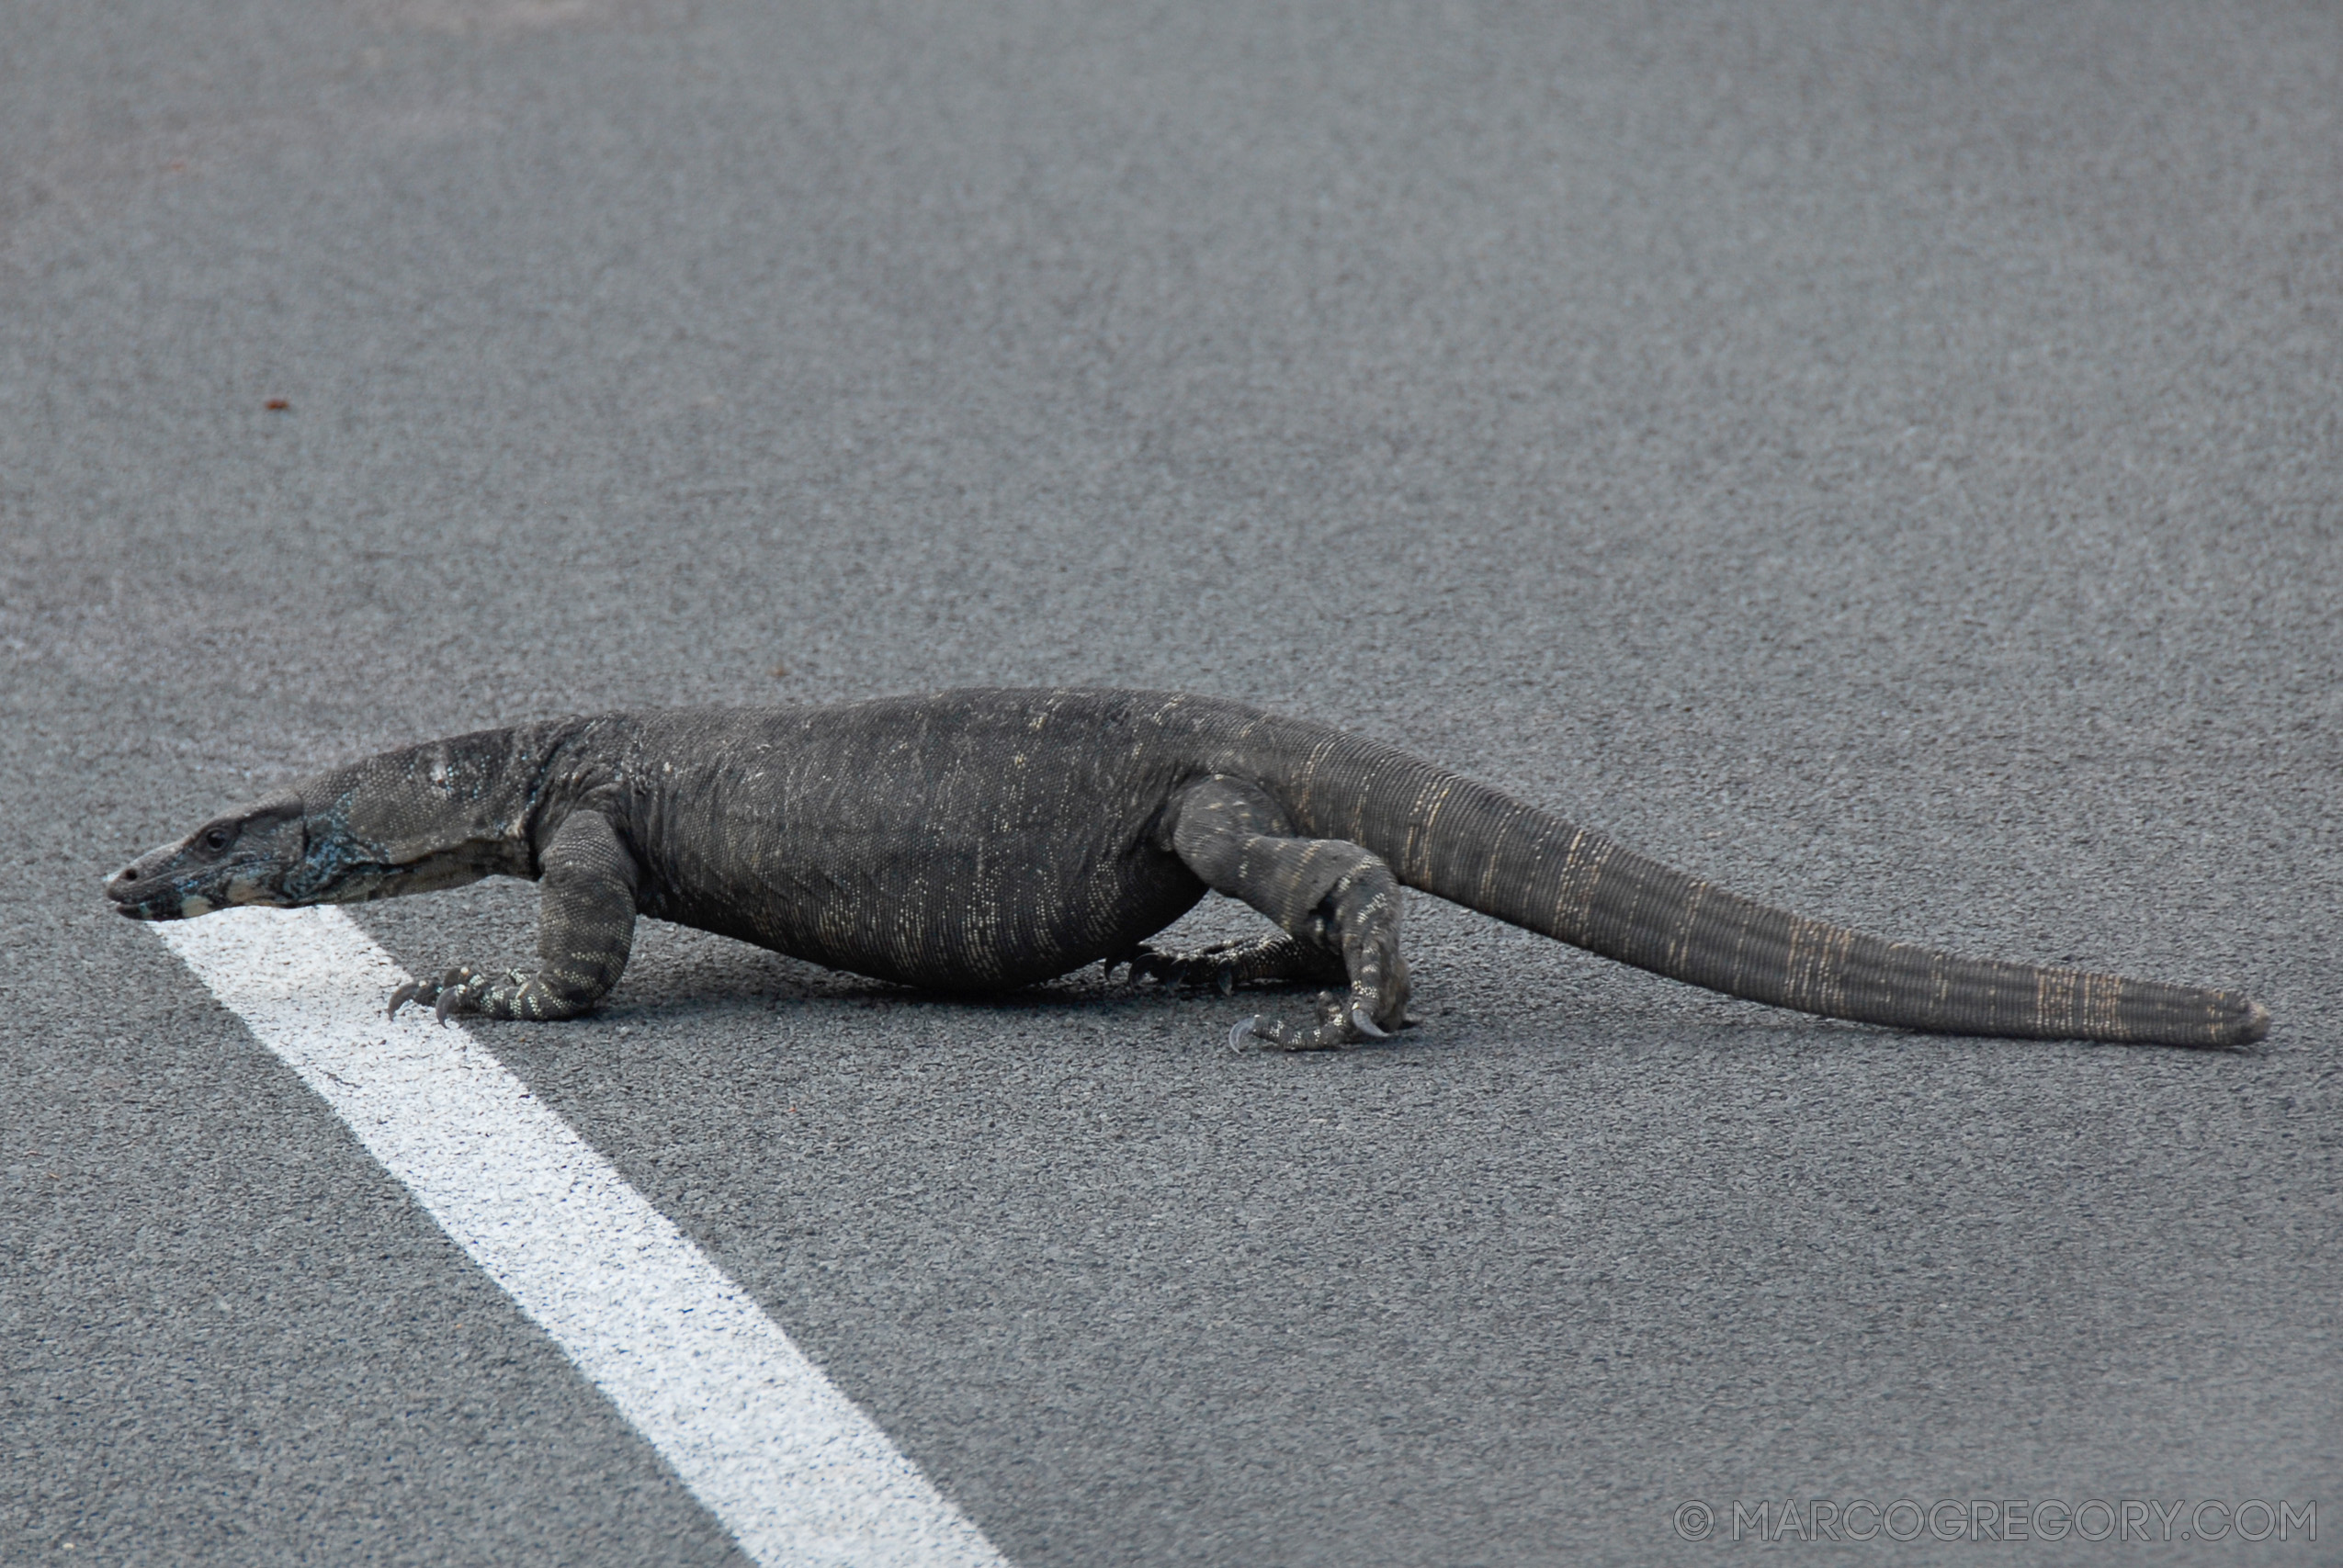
129,892
140,892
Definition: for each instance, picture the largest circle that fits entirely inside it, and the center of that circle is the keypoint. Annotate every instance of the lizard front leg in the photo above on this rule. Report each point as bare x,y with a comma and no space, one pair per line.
1339,905
585,929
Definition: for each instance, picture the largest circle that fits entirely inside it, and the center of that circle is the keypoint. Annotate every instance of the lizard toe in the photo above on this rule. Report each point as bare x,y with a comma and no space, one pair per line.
460,990
1333,1030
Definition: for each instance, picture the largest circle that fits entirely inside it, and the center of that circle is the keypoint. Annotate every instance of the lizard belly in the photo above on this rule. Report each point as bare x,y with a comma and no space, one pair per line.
987,916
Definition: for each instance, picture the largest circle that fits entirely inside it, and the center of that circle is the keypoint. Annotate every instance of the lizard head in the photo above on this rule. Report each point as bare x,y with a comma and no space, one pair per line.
245,856
415,821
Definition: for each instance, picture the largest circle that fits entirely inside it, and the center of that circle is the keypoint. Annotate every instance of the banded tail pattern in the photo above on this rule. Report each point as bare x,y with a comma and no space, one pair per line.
1482,848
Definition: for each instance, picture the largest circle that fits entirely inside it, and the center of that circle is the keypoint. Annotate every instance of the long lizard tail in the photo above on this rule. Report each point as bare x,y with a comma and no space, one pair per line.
1480,847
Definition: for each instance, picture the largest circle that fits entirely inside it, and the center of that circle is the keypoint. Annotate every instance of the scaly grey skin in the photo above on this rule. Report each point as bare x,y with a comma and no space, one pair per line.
978,840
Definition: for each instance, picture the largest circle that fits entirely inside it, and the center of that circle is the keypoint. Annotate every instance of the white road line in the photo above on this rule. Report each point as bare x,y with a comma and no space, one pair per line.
785,1460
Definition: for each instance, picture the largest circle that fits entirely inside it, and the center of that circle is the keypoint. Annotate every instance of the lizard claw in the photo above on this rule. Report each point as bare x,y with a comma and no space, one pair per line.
460,989
1364,1025
1241,1031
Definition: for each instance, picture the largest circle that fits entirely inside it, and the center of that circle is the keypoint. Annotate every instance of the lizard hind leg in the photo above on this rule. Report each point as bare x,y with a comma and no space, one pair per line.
1338,904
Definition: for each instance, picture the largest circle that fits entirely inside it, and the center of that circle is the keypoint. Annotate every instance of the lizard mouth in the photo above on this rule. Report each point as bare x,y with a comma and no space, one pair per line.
140,897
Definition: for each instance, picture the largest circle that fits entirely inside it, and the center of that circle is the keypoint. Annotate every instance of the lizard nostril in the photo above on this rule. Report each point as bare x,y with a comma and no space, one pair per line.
130,873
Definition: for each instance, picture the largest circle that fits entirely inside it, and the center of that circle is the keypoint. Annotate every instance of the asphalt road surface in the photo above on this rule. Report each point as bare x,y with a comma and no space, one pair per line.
1885,458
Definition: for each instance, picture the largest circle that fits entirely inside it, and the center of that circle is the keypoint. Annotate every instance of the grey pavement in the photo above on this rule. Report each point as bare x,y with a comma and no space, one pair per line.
1886,458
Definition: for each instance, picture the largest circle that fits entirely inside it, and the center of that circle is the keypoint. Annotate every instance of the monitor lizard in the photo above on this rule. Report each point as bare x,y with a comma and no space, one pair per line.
984,839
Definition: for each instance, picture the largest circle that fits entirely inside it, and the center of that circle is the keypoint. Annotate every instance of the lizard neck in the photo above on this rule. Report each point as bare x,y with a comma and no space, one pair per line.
427,816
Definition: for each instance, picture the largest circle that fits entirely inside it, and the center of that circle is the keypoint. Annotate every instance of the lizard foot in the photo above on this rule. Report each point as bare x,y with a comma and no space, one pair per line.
1341,1021
460,990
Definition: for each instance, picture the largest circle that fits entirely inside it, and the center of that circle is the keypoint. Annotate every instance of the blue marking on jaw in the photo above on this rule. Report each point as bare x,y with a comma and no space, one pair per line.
335,855
173,900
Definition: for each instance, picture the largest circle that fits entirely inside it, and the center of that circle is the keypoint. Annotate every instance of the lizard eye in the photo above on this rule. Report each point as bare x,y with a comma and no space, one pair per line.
216,840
